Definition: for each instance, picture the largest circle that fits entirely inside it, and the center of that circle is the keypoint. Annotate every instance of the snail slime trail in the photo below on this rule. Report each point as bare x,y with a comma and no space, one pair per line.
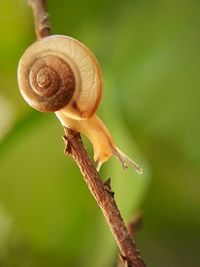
60,74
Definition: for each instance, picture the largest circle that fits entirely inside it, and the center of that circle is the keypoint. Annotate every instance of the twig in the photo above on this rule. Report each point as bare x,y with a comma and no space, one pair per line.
104,197
41,16
132,227
75,148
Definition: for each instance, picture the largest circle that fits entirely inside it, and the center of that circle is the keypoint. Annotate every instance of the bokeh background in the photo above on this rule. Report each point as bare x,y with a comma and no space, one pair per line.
150,57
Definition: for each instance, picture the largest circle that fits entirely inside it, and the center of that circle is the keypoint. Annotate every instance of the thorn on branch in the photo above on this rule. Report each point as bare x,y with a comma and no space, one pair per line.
107,186
66,148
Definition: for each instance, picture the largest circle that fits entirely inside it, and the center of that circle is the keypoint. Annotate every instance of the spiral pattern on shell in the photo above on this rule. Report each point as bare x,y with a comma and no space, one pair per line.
48,83
60,73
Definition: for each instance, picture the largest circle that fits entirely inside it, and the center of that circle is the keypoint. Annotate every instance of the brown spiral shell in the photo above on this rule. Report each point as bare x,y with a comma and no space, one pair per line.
58,72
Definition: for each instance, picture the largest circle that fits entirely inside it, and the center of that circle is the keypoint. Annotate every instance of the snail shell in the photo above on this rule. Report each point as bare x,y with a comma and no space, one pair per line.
60,73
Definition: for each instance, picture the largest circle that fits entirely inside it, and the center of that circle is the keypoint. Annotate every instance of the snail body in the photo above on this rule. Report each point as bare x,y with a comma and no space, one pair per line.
95,130
59,74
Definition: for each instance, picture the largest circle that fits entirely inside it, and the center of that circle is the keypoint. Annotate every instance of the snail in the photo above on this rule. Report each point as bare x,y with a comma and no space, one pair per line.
59,74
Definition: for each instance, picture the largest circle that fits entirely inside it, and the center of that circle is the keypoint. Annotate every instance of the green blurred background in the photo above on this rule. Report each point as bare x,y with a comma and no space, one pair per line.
150,57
